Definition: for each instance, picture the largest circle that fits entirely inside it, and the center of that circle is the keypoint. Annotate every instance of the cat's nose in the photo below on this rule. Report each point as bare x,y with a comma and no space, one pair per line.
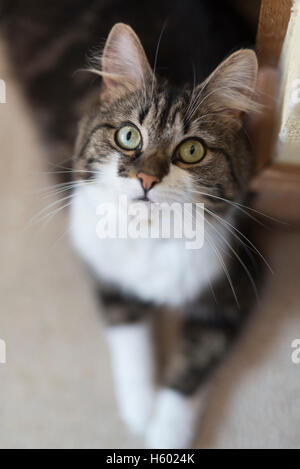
147,180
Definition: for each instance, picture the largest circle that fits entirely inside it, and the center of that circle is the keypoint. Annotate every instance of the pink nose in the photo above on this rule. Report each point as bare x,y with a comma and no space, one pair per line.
147,180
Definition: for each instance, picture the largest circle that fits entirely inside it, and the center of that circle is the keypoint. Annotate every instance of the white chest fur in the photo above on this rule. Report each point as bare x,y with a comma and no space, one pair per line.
158,270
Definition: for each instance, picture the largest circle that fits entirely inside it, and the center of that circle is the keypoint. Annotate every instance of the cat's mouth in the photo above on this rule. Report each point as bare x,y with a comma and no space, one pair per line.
145,198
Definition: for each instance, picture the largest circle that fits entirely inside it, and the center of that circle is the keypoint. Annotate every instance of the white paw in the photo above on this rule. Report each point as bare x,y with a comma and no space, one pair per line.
174,421
135,409
133,370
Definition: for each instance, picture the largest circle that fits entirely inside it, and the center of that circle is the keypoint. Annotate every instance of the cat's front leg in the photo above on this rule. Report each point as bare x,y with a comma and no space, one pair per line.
181,402
208,331
129,337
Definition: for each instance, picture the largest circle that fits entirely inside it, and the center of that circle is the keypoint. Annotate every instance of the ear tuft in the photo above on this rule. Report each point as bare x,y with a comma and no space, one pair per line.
124,62
230,88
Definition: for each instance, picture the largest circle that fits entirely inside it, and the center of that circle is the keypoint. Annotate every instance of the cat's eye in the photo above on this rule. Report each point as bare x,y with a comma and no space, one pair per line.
128,137
191,151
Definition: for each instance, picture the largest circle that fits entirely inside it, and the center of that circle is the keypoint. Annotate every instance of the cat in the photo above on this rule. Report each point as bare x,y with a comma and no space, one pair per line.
190,145
156,143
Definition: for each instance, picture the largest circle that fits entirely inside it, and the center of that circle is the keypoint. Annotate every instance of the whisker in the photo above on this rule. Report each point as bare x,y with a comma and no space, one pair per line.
65,172
55,186
68,188
49,216
220,88
156,58
211,286
59,165
242,207
225,223
221,260
192,105
237,257
185,119
36,218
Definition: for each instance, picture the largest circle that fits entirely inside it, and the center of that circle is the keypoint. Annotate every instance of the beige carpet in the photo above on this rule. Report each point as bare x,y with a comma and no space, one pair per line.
56,389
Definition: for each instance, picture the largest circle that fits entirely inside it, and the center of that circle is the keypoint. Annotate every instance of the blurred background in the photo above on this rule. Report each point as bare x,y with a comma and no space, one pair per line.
56,386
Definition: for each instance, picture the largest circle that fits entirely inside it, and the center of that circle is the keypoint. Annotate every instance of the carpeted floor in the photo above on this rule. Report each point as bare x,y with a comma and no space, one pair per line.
56,389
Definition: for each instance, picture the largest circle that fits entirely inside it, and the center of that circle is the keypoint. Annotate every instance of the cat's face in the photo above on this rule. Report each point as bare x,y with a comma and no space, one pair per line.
154,143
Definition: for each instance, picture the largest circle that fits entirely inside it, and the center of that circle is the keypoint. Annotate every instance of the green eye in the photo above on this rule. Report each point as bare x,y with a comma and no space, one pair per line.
191,151
128,137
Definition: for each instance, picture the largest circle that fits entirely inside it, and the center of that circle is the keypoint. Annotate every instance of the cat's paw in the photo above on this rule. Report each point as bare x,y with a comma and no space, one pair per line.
174,421
133,371
136,409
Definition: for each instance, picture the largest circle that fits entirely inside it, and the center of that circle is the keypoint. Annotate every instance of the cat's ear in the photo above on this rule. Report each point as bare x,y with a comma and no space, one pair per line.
124,65
229,90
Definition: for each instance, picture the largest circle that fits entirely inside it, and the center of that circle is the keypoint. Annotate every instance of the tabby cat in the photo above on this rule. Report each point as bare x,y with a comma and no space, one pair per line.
157,142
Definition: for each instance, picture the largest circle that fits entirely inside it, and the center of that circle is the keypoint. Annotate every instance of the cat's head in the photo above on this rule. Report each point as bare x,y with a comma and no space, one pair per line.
146,140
